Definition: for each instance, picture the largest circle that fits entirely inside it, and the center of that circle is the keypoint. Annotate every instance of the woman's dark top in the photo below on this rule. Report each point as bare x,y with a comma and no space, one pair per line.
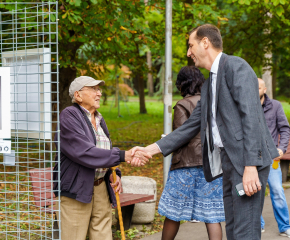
189,155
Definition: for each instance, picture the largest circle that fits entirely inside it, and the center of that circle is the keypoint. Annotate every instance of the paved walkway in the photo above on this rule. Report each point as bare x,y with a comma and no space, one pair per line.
197,231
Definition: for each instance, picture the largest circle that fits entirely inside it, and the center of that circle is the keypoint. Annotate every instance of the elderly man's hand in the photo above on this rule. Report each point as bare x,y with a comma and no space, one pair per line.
139,157
135,153
118,183
150,150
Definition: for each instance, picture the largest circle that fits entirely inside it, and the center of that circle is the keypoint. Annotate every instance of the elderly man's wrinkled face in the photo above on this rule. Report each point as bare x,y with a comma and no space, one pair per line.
90,97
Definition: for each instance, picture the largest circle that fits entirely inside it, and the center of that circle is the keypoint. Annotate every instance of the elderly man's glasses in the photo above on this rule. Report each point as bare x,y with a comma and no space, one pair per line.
92,89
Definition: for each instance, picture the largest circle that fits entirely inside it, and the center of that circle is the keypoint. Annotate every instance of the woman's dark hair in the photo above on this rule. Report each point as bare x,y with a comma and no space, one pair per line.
189,80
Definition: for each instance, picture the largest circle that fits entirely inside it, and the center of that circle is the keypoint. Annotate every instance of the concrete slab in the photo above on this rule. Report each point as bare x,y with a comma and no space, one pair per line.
197,231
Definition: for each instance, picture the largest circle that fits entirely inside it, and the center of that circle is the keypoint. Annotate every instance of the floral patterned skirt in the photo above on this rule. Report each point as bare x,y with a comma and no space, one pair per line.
187,195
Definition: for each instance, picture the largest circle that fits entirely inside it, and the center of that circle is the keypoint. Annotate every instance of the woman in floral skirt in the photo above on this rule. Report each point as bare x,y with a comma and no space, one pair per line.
187,195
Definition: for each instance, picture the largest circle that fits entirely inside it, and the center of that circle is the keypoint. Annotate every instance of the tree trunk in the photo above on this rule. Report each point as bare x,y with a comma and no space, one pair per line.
140,82
189,16
267,76
117,92
190,61
105,98
150,77
66,76
150,85
142,95
162,78
274,76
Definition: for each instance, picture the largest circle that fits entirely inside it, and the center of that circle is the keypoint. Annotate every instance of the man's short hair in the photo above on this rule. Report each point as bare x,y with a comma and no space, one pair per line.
211,32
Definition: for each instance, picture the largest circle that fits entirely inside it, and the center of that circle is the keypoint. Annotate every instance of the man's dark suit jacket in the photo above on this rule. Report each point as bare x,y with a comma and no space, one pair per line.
239,116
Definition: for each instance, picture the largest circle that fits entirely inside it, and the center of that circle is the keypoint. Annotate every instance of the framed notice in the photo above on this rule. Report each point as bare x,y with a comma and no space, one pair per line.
30,92
5,124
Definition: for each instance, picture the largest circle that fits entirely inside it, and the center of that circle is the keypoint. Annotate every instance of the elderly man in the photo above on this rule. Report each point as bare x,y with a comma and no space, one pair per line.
278,125
86,154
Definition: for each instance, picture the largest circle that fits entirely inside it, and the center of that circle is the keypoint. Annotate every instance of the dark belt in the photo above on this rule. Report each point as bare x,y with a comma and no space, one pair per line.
98,182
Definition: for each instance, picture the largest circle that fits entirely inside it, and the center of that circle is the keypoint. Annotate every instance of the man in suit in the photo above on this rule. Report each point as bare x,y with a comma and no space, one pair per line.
235,139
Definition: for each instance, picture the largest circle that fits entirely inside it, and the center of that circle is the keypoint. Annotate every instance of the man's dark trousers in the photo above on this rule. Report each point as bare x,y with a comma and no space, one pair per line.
242,213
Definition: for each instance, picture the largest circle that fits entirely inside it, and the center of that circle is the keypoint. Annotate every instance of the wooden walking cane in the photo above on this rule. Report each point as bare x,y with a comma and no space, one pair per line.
118,204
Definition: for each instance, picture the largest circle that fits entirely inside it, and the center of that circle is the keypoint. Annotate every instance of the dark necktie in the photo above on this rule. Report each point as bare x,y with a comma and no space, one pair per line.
209,112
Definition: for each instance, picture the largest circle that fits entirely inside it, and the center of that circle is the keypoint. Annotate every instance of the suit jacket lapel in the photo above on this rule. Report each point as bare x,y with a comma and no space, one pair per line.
219,77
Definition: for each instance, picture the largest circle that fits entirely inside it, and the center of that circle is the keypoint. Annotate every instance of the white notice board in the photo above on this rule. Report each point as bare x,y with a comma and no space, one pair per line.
5,130
30,92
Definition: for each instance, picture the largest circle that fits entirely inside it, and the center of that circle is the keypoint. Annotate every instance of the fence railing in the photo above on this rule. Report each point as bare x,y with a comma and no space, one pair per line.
29,47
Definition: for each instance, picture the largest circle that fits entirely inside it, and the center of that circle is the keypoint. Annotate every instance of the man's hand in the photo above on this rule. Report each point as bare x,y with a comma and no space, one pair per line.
251,181
150,150
118,183
139,157
280,153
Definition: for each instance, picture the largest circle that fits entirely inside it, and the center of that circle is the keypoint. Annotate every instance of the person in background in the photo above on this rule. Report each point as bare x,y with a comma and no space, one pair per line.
187,195
278,125
86,155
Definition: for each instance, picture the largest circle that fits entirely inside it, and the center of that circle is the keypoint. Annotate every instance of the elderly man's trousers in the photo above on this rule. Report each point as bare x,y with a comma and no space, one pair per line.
242,213
81,219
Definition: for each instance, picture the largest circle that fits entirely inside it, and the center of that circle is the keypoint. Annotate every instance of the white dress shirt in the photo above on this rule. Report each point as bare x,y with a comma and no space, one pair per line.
215,132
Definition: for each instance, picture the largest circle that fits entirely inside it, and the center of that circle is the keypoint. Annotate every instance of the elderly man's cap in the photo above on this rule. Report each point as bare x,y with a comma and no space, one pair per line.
83,81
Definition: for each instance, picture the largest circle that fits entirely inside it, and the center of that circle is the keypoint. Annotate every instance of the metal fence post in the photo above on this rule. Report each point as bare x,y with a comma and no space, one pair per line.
29,47
168,84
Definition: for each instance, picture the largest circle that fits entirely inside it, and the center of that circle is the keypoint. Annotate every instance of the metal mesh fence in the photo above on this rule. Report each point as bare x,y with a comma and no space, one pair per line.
29,48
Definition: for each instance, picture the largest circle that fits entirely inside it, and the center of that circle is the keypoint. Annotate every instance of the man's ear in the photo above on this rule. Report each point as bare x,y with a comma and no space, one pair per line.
205,42
265,90
78,96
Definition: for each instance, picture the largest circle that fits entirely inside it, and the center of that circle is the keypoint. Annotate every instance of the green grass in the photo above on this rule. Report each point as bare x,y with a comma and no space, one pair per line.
134,128
286,107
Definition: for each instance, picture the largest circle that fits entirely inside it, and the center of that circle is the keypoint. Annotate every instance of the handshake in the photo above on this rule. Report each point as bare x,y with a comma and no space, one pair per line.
139,156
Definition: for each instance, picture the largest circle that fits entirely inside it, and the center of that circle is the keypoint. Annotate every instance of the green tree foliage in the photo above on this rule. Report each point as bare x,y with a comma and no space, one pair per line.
119,32
258,27
250,28
188,14
105,32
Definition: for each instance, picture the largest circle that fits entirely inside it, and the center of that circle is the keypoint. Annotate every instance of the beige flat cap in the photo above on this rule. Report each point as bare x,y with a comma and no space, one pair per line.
83,81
